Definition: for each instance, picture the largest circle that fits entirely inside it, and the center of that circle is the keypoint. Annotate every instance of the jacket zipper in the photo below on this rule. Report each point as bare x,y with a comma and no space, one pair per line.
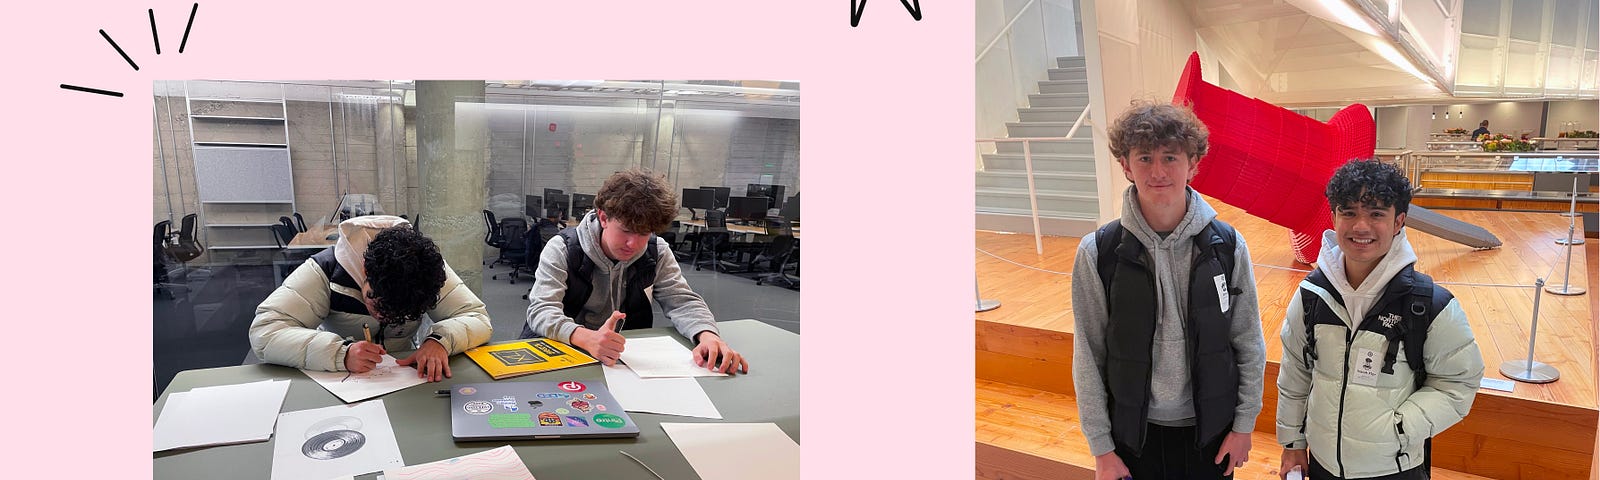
1344,385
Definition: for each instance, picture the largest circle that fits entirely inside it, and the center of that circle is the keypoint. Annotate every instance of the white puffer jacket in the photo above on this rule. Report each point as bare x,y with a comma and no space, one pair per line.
1376,426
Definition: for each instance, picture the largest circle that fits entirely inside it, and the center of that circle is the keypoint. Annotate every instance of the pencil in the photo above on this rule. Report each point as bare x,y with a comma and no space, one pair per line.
367,332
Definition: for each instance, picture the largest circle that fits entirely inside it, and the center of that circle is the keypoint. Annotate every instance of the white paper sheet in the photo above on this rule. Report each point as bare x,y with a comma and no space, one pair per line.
387,377
220,415
736,451
499,464
334,441
670,396
656,357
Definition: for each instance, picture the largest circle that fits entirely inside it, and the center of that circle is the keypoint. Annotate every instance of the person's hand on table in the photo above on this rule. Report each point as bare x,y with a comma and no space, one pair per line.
431,360
716,355
363,356
604,344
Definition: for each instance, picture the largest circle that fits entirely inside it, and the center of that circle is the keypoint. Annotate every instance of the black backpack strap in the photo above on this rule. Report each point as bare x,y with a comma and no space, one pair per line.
1106,240
1222,240
1425,303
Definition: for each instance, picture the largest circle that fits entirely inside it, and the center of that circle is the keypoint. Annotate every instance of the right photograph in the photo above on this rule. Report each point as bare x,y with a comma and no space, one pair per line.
1309,239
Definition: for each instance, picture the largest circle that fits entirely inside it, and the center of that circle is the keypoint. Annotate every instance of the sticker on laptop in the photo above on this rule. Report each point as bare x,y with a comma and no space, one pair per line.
581,405
563,411
571,386
549,419
477,407
577,421
553,395
467,390
609,421
590,396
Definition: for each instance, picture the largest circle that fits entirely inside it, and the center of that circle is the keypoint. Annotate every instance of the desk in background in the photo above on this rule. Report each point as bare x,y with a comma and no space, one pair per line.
421,420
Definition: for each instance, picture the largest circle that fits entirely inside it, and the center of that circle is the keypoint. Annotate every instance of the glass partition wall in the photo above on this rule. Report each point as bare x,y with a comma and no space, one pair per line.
232,159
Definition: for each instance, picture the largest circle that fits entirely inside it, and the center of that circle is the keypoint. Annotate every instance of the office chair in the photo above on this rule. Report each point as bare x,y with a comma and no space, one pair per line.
162,239
188,247
491,237
713,241
288,222
300,222
514,246
291,257
779,254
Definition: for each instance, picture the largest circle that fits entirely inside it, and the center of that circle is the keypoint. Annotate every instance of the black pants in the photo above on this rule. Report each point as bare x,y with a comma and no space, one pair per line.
1169,453
1319,473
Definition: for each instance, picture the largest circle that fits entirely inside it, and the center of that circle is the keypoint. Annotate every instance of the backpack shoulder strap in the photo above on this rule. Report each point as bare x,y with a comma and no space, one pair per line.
1425,302
1223,250
1106,240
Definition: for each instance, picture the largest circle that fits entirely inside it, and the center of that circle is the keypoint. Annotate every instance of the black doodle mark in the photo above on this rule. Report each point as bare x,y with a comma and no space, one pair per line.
119,50
91,90
189,26
153,35
857,6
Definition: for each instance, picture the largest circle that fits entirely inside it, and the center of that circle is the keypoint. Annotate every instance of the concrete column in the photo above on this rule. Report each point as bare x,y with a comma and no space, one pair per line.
388,138
452,150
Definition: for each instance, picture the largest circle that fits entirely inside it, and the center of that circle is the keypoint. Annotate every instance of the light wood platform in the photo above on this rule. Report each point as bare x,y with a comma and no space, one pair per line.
1027,342
1024,434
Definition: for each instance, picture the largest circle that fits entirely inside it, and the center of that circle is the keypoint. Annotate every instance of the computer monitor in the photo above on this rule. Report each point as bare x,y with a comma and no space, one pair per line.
772,192
549,192
582,203
791,209
556,205
532,206
722,194
698,199
748,208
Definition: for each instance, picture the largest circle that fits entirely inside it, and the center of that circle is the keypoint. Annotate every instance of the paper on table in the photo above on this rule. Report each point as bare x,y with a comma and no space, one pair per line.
220,415
387,377
334,441
654,357
500,463
729,451
671,396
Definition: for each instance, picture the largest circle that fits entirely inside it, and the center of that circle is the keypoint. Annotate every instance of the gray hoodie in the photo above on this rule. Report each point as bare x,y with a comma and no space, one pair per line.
685,309
1171,401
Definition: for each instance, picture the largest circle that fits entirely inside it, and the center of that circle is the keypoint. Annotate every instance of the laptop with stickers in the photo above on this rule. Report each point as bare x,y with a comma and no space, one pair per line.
536,410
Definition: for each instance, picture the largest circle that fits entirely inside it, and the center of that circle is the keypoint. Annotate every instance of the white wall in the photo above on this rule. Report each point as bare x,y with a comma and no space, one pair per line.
1511,118
1585,112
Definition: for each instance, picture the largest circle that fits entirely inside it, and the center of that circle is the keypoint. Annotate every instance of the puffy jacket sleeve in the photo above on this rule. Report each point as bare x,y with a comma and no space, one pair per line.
460,317
285,331
1089,318
1455,367
1294,378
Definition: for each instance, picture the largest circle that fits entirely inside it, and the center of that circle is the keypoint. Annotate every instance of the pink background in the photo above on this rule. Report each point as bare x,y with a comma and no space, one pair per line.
887,343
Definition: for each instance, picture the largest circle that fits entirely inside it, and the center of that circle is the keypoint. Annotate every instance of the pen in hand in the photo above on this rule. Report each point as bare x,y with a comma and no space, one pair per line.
366,333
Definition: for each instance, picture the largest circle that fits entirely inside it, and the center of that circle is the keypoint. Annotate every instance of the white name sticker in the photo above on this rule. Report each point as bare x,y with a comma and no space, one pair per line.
1368,364
1222,292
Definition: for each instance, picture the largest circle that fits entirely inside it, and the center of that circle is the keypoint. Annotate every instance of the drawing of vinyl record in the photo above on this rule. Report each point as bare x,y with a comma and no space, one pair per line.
334,444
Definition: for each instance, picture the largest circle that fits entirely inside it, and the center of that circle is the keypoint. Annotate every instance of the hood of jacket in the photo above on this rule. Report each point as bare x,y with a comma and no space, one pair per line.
354,236
1199,215
1358,300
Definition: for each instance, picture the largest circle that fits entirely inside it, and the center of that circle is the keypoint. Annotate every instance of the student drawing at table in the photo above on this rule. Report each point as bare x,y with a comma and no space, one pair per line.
381,274
600,276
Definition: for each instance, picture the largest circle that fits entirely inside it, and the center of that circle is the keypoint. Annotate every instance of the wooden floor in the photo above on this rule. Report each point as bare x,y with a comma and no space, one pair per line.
1500,315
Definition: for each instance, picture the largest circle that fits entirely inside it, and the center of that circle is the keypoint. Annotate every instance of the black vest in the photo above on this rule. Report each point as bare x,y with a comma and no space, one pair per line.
639,275
1133,309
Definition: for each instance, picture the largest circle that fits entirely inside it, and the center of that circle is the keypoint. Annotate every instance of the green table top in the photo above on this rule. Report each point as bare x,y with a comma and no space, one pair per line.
421,420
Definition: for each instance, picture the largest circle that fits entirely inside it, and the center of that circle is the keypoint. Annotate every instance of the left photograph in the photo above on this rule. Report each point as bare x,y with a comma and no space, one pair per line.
476,279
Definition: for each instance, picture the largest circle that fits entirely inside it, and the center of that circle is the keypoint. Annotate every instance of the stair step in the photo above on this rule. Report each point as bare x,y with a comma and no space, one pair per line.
1069,62
1049,114
1070,73
1042,181
1023,433
1051,203
1005,162
1070,100
1081,145
1064,86
1037,129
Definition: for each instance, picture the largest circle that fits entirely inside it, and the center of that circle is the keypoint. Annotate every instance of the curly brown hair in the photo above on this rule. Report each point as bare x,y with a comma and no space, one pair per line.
405,272
642,200
1151,125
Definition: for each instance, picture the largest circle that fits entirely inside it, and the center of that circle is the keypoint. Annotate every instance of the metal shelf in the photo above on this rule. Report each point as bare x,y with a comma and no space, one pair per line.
252,202
240,225
241,145
242,247
242,100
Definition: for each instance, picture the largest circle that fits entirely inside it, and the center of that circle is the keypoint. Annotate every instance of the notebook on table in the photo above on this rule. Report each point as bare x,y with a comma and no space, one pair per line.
536,410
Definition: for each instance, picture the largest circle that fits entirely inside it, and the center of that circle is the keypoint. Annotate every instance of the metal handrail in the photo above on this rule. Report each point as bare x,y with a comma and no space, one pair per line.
1003,31
1027,162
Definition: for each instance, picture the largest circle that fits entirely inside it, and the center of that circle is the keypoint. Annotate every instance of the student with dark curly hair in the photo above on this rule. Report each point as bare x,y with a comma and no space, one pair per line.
1404,365
382,276
1167,353
600,277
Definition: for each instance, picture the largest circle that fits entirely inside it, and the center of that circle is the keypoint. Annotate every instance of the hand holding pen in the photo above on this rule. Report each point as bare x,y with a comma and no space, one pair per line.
363,355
